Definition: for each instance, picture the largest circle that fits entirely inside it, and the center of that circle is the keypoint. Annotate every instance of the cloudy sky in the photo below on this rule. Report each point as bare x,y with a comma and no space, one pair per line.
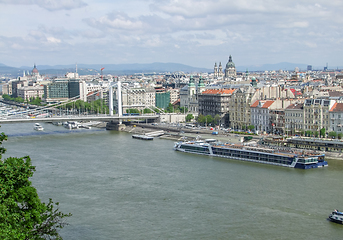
192,32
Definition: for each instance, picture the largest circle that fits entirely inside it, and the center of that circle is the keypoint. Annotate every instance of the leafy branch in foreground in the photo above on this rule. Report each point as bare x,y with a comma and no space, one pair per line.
22,214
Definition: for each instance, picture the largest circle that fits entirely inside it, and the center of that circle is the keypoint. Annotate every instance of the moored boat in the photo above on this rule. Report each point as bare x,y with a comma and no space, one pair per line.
336,216
142,137
254,153
38,127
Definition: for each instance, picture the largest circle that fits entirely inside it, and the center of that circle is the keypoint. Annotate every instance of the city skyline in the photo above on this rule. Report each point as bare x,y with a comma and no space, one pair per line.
195,33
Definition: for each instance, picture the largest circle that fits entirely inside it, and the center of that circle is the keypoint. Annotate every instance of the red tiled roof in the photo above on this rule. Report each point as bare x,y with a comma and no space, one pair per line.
337,107
267,104
218,91
295,92
255,104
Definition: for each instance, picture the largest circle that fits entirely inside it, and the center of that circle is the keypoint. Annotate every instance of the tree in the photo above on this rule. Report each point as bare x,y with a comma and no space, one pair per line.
322,132
22,214
201,119
316,133
170,108
302,132
189,117
308,133
147,110
339,135
251,127
132,110
209,119
216,119
183,109
332,134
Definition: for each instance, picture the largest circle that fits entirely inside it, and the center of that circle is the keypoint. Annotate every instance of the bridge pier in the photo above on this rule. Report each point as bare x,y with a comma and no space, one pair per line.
115,126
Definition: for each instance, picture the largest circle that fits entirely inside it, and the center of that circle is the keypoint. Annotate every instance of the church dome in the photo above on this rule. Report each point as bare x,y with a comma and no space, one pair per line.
35,70
230,64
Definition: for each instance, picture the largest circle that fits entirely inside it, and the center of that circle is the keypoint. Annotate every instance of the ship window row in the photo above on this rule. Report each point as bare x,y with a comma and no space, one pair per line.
253,156
195,148
308,160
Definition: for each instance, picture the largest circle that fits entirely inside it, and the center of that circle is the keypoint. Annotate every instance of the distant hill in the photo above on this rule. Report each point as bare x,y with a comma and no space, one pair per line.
277,66
129,69
124,68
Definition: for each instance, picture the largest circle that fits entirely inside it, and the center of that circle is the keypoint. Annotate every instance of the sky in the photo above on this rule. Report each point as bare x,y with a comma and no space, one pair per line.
192,32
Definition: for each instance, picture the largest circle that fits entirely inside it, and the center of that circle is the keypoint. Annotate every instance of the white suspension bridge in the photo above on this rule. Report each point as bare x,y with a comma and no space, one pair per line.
24,115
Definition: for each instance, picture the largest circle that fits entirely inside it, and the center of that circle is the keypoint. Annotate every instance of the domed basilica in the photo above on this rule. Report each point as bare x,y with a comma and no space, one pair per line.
229,72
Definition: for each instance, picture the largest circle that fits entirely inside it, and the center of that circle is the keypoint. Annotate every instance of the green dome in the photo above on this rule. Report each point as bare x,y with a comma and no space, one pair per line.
230,64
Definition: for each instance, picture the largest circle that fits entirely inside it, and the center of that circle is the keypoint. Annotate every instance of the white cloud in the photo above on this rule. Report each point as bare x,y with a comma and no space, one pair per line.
53,40
187,31
51,5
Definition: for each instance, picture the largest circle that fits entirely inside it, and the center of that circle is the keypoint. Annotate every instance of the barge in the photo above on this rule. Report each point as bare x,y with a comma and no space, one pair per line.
143,137
254,153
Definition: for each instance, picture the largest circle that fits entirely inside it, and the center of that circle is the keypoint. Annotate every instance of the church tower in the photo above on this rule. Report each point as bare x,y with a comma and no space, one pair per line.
215,70
201,85
191,87
220,70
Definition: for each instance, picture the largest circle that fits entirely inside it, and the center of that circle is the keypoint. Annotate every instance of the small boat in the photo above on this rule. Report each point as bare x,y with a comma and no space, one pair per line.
142,137
38,127
336,216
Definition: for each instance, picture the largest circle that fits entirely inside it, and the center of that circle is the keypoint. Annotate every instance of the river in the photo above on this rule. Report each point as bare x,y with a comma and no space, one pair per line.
117,187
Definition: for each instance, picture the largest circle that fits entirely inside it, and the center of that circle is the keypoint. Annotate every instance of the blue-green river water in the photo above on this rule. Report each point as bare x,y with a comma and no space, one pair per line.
117,187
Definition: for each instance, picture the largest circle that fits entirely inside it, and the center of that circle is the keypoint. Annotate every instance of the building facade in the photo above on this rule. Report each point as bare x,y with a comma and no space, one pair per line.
316,114
216,102
29,92
240,116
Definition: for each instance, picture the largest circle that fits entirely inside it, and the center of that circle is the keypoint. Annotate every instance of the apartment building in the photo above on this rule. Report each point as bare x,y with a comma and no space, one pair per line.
239,107
316,114
216,101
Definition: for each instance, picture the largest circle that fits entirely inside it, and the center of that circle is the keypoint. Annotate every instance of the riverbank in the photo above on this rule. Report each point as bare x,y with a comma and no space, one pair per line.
177,134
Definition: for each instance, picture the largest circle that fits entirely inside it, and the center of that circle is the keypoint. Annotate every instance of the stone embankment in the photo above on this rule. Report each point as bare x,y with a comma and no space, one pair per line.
179,134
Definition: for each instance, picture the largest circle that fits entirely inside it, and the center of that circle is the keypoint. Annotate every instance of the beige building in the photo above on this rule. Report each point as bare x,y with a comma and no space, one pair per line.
316,114
138,98
294,118
262,111
174,94
239,107
28,92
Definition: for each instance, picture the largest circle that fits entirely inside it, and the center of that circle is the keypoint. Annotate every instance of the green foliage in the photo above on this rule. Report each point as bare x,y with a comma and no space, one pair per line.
132,110
35,101
6,97
189,117
147,110
308,133
216,119
322,132
170,108
17,99
251,127
97,106
22,214
339,135
243,133
201,119
183,109
316,134
205,119
332,134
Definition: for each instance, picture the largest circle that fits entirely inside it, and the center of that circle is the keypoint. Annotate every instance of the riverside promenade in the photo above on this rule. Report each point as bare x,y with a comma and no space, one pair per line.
179,134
